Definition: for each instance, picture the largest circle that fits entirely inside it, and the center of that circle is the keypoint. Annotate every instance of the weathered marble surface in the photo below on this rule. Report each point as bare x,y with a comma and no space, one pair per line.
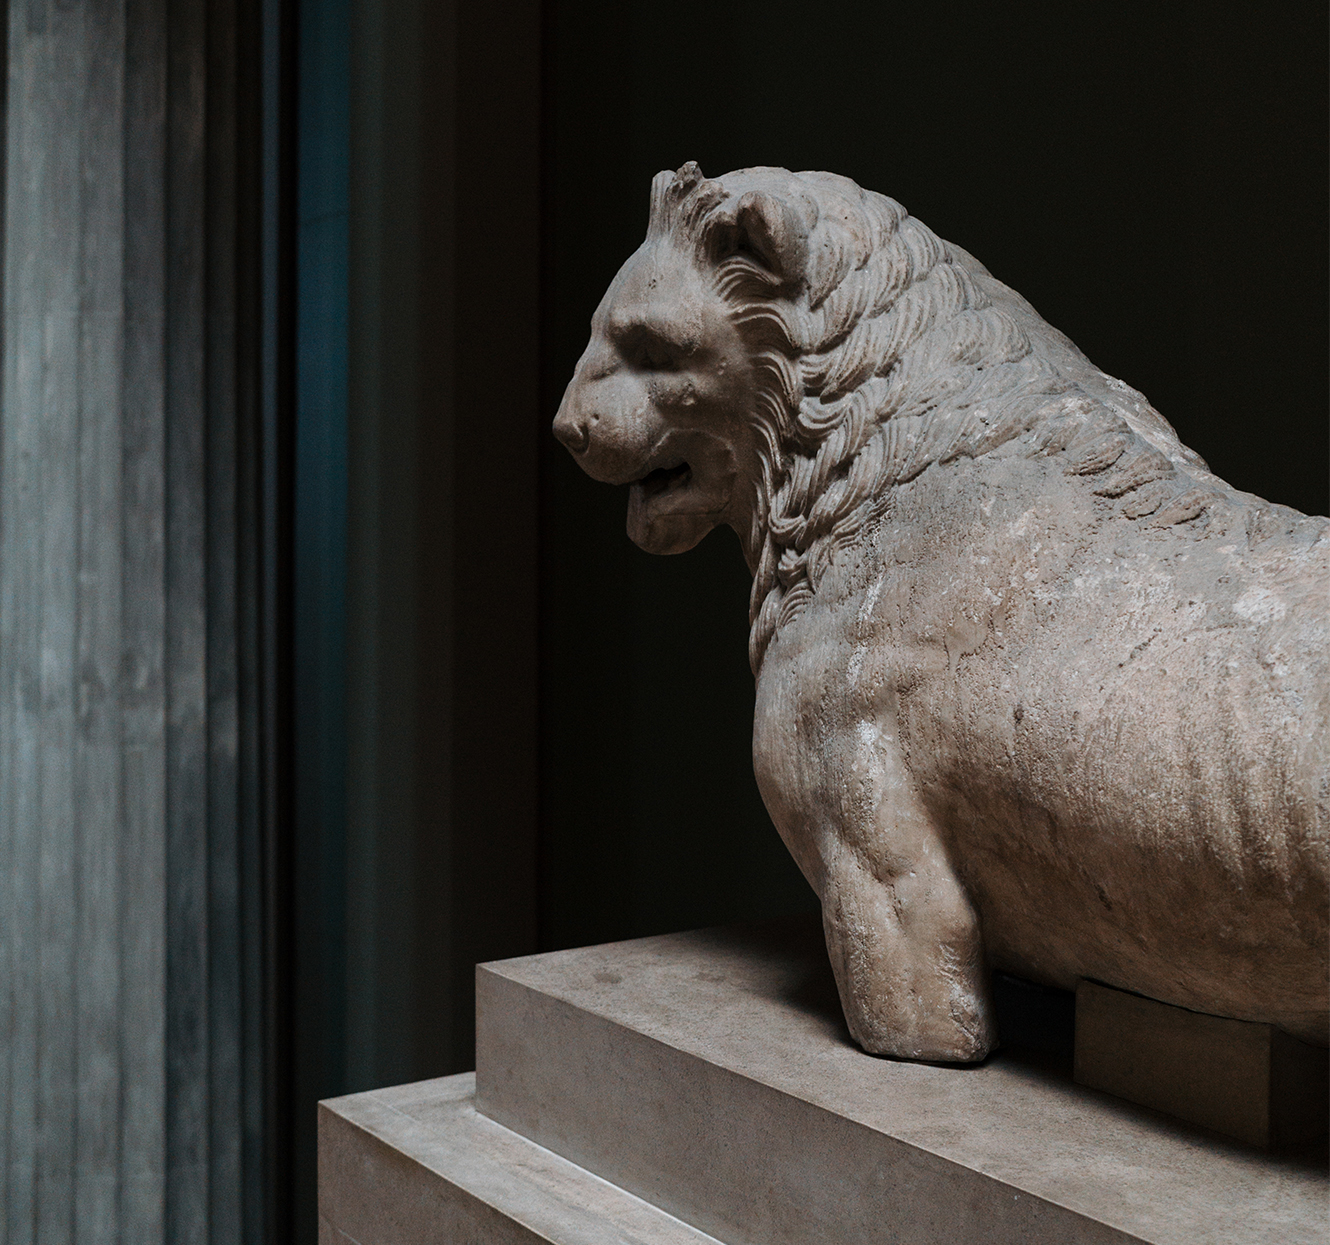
1035,689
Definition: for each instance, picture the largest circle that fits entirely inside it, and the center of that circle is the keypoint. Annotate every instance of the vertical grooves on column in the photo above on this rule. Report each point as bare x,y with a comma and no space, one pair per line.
219,488
186,634
143,847
14,603
99,565
131,983
55,390
60,619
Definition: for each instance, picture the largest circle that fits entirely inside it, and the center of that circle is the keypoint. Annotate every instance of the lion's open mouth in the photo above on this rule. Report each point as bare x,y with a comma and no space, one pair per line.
677,503
663,479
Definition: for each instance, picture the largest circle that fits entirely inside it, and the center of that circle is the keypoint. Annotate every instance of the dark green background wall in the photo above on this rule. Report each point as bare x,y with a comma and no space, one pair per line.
1152,177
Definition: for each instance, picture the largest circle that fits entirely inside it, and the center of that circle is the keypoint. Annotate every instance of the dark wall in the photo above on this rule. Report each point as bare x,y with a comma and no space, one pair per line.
441,548
1152,177
416,417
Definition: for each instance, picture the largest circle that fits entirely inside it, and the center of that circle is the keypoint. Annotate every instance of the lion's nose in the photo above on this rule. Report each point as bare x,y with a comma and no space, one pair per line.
572,432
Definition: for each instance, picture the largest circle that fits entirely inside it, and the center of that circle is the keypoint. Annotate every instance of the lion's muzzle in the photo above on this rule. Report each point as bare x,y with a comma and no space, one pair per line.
572,433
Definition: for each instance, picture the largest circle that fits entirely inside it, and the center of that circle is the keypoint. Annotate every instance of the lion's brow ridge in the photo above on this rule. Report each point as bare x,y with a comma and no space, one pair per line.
641,319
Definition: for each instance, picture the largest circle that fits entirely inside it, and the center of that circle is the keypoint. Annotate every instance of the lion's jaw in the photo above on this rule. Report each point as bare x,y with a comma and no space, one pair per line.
657,401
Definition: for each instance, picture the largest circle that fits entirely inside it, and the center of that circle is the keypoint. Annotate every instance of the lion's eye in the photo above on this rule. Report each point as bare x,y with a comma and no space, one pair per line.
650,353
657,360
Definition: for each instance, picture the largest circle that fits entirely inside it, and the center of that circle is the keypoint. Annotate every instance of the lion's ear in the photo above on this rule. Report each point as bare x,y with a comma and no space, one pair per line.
769,230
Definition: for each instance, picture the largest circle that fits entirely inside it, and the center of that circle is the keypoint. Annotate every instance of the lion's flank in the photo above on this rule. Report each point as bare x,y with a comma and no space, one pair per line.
878,356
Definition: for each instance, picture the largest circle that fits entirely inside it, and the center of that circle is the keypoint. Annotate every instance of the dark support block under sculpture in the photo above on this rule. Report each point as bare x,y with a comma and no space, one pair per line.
1245,1080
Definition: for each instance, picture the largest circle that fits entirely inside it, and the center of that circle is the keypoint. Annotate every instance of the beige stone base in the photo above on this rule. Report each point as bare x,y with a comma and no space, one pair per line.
702,1087
416,1165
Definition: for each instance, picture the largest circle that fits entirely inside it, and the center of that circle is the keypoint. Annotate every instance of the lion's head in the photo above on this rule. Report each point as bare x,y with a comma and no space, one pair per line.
781,350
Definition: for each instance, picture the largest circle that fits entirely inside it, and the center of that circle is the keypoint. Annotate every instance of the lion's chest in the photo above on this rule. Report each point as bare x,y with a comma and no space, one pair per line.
978,635
828,747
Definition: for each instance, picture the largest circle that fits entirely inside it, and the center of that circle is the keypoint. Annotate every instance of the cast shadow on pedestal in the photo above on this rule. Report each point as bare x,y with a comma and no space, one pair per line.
1036,1023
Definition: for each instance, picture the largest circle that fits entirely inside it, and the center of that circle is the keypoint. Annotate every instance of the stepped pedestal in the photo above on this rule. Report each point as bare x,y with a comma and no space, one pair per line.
702,1086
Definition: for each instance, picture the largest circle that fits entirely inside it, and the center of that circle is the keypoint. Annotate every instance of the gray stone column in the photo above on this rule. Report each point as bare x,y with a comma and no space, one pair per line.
130,627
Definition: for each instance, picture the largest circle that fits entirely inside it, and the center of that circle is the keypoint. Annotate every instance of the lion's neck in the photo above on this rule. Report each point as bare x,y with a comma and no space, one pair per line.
810,518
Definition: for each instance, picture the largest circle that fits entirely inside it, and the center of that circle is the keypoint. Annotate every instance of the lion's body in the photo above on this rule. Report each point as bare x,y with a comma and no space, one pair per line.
1034,688
1124,769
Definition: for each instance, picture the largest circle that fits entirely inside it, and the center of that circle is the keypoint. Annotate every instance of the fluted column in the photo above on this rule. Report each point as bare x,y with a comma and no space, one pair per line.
130,792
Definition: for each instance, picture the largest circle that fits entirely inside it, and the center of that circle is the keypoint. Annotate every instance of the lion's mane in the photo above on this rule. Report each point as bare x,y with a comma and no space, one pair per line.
883,359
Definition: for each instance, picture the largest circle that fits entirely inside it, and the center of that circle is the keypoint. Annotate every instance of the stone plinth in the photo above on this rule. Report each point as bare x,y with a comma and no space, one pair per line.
708,1077
416,1165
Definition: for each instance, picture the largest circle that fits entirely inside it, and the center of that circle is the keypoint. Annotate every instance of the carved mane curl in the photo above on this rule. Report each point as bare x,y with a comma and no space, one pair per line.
880,357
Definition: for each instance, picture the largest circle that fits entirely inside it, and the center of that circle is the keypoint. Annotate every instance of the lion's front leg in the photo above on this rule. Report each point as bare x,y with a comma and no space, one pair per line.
905,946
903,937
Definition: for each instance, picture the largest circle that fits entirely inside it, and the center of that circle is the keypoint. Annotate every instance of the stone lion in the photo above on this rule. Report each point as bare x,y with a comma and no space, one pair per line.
1035,689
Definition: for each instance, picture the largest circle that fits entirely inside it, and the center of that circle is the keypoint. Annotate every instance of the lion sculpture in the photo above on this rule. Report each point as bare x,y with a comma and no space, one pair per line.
1035,689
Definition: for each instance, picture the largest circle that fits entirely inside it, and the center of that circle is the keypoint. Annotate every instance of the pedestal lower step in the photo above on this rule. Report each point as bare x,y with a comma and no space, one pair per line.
415,1165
